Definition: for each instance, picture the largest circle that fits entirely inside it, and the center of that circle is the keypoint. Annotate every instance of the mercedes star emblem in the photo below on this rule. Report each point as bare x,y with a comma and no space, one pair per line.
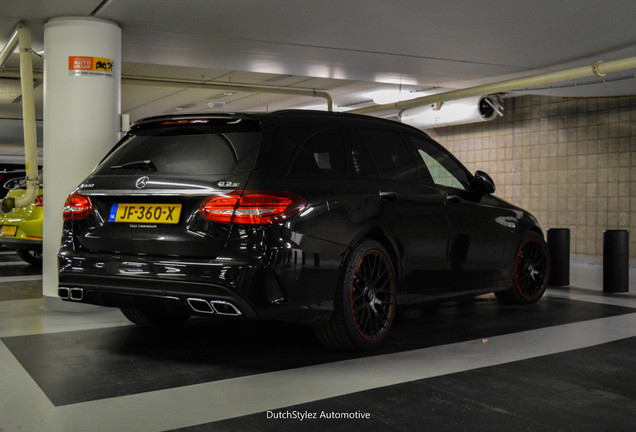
142,182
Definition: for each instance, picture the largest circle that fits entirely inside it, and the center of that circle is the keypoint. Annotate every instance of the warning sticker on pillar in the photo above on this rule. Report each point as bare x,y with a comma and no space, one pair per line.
90,66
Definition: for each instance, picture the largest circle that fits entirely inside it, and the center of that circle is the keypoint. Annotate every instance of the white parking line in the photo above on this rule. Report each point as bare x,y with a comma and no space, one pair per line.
219,400
594,296
4,279
13,263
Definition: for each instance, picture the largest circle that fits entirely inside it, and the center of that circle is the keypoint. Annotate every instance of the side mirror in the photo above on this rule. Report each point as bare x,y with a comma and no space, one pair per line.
484,182
11,184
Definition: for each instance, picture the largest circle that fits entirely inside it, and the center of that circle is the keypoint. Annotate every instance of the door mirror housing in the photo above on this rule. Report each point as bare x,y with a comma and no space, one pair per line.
14,183
484,182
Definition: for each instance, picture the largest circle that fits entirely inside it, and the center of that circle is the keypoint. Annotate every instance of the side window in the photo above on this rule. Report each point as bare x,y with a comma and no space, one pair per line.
442,169
320,154
361,163
392,157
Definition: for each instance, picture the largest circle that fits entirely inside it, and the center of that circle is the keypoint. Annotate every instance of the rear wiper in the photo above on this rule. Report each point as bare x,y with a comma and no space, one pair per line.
143,164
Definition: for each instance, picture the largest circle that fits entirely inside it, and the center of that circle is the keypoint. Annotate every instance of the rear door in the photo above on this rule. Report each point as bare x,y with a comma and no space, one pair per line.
147,192
413,211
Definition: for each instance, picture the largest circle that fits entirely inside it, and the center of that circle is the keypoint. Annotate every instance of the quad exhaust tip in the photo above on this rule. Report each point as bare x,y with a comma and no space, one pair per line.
200,305
217,307
76,294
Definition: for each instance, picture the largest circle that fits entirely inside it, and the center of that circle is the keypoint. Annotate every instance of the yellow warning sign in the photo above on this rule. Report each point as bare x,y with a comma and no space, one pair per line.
83,65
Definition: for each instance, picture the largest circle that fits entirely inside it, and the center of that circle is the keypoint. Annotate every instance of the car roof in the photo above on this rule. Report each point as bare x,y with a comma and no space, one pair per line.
274,116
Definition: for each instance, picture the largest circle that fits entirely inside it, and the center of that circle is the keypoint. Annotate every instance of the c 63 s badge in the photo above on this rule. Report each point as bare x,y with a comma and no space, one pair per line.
228,184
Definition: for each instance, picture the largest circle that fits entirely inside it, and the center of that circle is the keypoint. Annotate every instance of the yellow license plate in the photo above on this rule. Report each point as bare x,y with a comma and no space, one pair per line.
145,213
8,230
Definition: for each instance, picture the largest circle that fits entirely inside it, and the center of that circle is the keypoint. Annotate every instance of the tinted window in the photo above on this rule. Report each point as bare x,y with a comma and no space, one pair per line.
392,157
187,149
320,154
438,166
361,163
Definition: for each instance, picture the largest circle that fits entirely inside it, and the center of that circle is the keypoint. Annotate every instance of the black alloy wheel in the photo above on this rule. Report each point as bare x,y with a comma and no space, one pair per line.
531,272
365,301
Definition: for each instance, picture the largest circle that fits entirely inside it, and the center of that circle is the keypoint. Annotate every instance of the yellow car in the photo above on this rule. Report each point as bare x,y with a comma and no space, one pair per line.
21,228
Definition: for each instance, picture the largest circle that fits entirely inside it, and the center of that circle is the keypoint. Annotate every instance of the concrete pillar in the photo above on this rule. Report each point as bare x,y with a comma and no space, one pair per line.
82,93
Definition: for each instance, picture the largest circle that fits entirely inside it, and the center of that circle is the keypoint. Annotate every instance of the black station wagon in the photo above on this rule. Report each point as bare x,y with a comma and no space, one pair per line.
322,218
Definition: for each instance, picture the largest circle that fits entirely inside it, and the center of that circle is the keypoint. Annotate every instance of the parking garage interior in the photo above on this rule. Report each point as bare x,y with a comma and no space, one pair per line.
564,150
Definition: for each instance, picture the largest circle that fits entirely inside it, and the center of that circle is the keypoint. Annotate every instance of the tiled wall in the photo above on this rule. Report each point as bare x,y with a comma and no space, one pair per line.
571,162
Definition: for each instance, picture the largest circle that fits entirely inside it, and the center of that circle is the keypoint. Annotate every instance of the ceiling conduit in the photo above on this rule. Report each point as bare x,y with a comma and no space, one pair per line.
172,82
598,69
21,37
142,80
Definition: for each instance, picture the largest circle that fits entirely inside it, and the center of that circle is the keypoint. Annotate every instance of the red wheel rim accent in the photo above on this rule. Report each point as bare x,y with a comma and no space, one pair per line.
531,269
373,295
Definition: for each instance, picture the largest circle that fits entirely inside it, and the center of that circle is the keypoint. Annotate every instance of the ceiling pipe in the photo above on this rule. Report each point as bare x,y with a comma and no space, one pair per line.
101,8
154,81
21,36
151,81
598,69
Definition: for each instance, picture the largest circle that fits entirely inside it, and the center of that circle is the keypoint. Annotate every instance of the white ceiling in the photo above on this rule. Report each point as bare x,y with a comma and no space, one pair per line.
346,47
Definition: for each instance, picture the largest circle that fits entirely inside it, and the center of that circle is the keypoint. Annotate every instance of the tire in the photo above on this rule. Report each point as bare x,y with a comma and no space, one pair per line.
155,319
365,301
531,272
30,256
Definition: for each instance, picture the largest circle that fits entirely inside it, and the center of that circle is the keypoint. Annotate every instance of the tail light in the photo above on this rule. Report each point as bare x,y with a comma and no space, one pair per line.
39,201
251,207
77,207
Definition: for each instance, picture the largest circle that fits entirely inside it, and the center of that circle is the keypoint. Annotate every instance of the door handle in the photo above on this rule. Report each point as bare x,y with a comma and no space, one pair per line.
388,196
452,198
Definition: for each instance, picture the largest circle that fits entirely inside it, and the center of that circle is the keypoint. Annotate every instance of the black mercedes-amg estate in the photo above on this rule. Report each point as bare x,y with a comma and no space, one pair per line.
323,218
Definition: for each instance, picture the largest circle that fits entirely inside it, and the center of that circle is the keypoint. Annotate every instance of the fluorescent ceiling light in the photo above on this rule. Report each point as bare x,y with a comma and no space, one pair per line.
386,96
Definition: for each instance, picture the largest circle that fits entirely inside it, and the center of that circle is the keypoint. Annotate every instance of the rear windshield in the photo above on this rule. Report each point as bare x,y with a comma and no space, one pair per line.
190,148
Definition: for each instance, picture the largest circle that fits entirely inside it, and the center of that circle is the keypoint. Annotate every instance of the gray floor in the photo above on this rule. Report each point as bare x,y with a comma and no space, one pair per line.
92,371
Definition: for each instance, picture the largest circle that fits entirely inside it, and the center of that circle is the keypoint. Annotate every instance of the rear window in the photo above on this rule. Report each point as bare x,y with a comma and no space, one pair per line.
193,148
392,157
321,154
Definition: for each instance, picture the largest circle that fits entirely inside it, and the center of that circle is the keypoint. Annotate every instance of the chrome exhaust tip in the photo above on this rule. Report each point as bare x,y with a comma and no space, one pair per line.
64,293
200,305
222,307
77,294
216,307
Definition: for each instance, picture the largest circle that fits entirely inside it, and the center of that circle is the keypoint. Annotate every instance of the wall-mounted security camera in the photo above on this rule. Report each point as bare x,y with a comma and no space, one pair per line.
453,112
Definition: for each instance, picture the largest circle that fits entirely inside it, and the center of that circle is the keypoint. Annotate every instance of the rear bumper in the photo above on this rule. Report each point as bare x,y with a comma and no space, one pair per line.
139,293
20,243
271,287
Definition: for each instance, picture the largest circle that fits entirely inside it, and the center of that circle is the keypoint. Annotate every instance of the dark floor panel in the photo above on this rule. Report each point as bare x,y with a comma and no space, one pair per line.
19,267
86,365
591,389
9,255
20,290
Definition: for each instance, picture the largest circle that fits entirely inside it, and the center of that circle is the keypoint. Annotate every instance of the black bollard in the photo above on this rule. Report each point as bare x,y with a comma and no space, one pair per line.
559,247
616,261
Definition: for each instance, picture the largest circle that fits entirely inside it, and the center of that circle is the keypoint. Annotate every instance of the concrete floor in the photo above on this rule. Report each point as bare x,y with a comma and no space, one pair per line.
565,363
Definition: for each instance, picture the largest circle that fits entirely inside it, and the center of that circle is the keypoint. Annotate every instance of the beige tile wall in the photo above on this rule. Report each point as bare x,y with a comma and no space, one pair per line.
571,162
